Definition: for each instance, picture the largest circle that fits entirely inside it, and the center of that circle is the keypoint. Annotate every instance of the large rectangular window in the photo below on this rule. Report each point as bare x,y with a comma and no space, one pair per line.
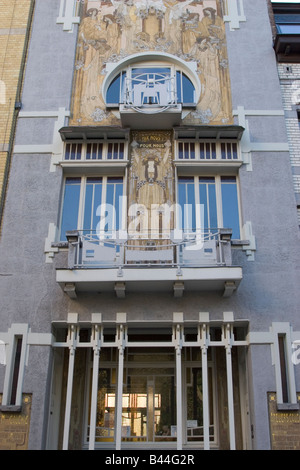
209,203
91,204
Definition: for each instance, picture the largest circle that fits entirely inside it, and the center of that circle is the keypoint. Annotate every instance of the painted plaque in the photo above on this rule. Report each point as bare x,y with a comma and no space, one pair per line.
150,183
284,426
14,427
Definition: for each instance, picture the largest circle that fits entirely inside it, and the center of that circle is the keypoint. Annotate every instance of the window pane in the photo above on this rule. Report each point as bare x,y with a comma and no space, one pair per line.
94,151
288,28
113,193
69,219
93,194
230,205
208,202
186,196
185,89
115,89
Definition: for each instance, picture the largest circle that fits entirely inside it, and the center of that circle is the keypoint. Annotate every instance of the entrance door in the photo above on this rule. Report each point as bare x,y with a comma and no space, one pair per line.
148,406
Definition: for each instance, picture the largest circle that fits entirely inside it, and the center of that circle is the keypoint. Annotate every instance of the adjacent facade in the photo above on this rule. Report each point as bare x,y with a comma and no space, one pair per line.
149,277
15,31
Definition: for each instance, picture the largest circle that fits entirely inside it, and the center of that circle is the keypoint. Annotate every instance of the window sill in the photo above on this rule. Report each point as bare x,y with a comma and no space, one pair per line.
190,167
111,167
288,406
10,408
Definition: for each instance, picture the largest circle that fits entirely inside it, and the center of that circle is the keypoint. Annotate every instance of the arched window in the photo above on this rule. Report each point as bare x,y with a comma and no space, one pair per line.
151,83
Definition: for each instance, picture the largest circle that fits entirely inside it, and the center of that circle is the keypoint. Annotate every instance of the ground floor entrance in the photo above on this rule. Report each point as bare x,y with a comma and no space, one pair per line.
170,387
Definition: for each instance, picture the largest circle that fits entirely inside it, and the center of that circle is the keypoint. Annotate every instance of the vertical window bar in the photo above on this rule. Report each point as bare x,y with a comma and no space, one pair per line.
202,154
121,151
110,151
16,370
213,151
283,368
180,150
229,152
207,151
67,153
234,151
192,151
78,151
88,151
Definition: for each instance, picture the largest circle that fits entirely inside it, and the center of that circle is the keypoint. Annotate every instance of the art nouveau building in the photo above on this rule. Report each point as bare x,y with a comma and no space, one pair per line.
149,274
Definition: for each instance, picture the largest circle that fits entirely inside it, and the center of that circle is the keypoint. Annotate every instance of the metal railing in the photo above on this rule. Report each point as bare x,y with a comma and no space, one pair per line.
194,249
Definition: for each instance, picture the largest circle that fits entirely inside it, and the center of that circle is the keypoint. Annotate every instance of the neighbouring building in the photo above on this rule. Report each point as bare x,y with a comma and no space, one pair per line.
149,275
15,17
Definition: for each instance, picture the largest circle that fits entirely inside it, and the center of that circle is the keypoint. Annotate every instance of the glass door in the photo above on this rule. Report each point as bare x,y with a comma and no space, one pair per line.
148,406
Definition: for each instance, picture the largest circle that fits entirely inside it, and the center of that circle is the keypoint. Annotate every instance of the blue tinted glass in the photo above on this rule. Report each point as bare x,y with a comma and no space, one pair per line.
88,207
69,218
208,202
113,193
203,204
212,206
185,88
288,28
114,90
230,206
186,200
93,194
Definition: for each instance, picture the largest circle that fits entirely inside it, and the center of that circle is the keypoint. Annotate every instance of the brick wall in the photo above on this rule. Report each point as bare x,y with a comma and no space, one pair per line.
14,16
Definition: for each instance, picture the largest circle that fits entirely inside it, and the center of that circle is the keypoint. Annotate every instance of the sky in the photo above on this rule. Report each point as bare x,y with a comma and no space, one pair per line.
285,1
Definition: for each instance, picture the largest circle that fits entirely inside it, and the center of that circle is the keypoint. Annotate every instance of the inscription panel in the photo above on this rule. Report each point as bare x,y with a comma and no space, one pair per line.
14,427
284,426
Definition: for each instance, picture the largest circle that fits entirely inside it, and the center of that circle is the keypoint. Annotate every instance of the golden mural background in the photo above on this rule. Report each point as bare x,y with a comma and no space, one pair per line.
113,30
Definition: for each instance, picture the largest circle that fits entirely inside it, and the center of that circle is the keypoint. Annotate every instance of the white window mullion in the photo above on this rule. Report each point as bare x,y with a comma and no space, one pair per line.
227,338
239,204
94,397
197,205
81,203
73,332
219,201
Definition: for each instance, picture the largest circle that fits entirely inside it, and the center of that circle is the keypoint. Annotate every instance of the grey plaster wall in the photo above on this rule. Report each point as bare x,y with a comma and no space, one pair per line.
269,290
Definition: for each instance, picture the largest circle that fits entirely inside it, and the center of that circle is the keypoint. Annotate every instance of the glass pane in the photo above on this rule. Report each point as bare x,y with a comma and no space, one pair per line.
121,151
165,409
185,88
195,405
69,218
288,28
180,150
230,205
113,193
113,92
93,195
135,409
186,195
208,202
105,417
110,151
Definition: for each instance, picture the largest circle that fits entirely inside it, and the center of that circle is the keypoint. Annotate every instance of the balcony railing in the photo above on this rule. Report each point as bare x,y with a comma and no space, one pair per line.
194,249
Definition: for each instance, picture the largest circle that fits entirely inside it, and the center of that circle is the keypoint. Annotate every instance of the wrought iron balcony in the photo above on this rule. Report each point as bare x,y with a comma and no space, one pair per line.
197,261
147,94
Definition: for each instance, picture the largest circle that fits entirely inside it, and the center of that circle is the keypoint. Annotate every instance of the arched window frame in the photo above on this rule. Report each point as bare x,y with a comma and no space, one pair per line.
157,60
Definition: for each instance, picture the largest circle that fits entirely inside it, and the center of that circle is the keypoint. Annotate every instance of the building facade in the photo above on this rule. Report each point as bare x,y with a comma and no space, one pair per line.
149,278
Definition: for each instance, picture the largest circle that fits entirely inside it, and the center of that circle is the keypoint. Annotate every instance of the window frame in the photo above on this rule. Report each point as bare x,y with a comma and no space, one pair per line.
105,151
218,196
82,199
153,59
127,73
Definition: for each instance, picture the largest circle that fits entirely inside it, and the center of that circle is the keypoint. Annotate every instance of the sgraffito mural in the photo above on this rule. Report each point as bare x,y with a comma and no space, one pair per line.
111,31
